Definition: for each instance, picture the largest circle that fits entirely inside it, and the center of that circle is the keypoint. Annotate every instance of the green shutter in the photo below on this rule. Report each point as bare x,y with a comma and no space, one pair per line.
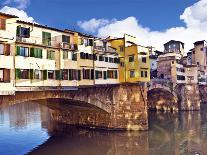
70,74
79,75
57,75
31,74
96,72
116,74
31,52
105,75
44,74
17,74
36,53
18,50
18,30
40,53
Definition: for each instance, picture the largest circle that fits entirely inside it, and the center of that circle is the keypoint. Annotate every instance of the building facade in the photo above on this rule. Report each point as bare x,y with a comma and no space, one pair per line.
34,56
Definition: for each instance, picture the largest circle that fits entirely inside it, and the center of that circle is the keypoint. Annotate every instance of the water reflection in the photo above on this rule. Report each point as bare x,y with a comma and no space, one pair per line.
27,127
20,128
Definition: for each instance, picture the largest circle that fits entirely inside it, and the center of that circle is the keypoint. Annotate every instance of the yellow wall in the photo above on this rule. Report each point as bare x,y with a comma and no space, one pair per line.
143,66
116,43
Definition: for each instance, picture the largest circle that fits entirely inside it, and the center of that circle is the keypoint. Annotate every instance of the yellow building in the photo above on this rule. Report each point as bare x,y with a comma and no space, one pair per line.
134,59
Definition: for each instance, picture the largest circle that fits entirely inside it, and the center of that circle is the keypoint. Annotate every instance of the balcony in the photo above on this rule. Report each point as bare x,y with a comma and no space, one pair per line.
107,49
38,41
68,46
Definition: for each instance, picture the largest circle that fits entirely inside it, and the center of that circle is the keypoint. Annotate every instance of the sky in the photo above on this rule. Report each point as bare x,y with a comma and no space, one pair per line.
153,22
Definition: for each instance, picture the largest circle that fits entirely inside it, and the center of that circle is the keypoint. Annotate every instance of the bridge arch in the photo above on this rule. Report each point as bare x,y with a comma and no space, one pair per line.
162,97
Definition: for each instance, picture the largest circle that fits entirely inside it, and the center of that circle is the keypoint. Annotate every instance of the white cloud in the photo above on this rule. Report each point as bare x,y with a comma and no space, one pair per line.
93,24
20,13
20,4
194,17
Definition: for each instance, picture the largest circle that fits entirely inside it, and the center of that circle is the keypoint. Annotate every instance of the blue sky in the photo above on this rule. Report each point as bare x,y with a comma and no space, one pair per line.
155,14
153,22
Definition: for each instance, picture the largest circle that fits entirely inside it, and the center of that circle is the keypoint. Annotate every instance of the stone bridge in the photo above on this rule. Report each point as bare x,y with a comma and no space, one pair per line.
164,95
112,106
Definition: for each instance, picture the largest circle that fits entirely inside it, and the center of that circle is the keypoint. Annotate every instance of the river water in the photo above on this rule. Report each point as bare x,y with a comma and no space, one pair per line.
26,128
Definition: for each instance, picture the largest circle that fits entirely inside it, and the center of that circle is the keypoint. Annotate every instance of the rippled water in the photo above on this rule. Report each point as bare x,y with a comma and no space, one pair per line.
27,128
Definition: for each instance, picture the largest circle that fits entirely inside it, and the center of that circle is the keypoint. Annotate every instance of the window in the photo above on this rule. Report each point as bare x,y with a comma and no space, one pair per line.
111,60
86,73
122,64
121,48
1,75
112,74
105,75
82,55
144,74
74,56
37,74
64,74
106,59
1,49
46,38
65,54
51,55
180,77
23,32
131,58
22,73
101,58
36,52
22,51
98,74
132,74
65,39
5,75
51,74
201,49
116,60
88,42
172,62
144,59
74,74
2,24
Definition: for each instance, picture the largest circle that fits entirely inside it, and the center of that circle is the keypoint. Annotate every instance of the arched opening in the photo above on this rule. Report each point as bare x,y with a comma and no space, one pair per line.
161,99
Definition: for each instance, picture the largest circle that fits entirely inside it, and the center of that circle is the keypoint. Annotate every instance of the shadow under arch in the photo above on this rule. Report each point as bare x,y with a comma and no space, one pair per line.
162,99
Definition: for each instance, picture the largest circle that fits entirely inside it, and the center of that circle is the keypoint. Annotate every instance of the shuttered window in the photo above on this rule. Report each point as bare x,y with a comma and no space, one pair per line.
22,51
51,55
46,38
23,32
1,49
105,75
5,75
65,39
2,24
64,74
36,52
1,75
22,73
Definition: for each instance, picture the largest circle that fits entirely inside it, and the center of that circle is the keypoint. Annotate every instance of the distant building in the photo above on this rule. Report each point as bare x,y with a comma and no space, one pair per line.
153,63
174,46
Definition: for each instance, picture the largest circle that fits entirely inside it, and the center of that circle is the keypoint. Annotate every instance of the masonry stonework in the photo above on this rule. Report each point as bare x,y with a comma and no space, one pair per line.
110,107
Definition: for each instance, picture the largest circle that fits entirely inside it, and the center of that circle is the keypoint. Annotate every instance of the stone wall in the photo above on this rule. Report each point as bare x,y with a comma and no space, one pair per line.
121,107
129,111
189,97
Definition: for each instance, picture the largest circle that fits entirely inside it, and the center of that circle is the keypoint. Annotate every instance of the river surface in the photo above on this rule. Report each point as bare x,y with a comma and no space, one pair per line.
26,128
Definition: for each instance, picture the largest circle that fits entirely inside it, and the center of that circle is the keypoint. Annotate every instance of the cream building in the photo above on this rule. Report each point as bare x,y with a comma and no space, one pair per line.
34,56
